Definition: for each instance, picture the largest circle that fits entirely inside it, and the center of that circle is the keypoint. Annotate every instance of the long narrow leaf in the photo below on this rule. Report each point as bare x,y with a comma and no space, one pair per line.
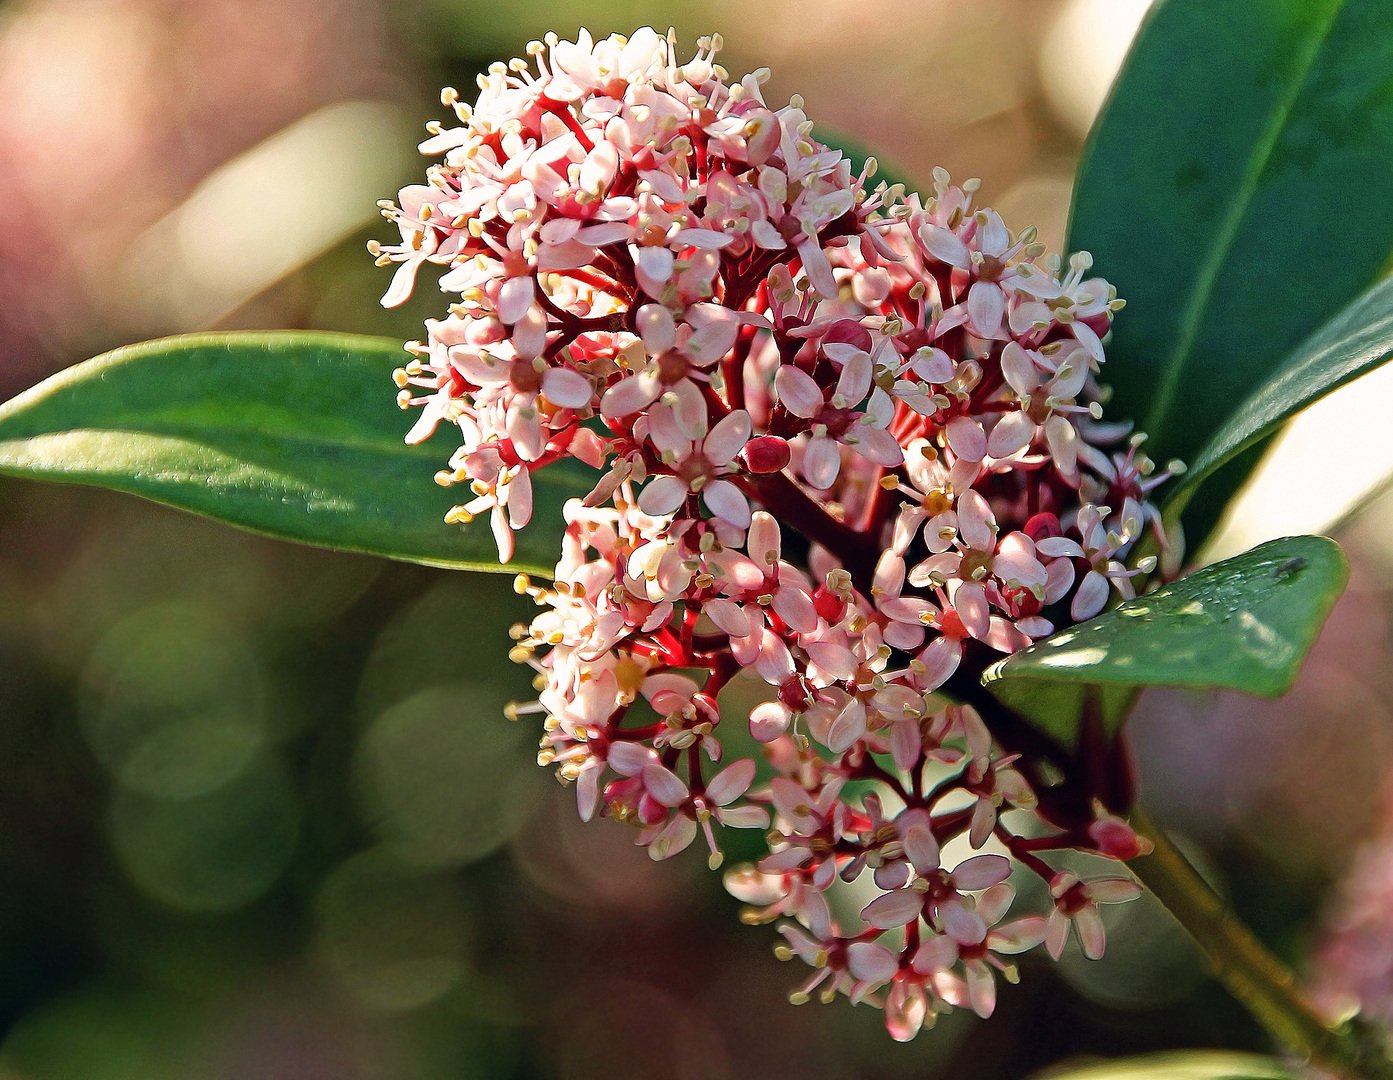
1225,192
295,435
1357,340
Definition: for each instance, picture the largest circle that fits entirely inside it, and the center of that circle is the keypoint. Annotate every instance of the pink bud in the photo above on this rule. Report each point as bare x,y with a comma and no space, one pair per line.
829,605
767,454
796,693
1042,525
1116,839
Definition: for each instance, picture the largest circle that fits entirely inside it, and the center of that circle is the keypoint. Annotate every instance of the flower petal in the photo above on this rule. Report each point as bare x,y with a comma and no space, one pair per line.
893,909
727,438
727,502
797,392
849,726
986,307
768,721
566,388
966,438
1091,598
629,758
980,872
1013,432
664,785
662,495
731,782
822,462
962,925
630,395
515,299
870,962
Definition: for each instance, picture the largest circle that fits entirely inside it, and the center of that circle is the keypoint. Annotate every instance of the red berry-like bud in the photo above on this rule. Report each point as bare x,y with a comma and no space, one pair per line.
1042,525
1116,839
828,604
796,693
767,454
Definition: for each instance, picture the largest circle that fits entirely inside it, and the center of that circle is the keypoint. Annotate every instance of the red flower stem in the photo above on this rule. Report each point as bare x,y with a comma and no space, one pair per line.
695,782
1065,804
1023,853
870,770
586,277
562,110
634,734
733,367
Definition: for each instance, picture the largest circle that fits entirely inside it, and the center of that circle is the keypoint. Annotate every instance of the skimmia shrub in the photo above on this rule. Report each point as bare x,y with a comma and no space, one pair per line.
655,271
838,502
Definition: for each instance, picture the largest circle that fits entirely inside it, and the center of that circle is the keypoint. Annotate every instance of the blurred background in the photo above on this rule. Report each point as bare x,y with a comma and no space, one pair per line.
260,814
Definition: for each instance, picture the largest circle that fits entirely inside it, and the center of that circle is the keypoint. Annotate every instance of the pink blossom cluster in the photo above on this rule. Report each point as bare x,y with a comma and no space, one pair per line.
848,447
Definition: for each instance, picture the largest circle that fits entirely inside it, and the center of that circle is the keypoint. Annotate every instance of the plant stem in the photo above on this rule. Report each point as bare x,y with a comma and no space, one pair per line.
1261,982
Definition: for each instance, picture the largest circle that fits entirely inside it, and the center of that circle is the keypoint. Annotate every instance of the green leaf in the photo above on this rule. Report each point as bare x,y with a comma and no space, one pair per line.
295,435
1357,340
1225,193
1242,624
1180,1065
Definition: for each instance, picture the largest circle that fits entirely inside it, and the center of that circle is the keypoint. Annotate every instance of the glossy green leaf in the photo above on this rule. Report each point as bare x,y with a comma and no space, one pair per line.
1242,624
1226,192
1357,340
295,435
1180,1065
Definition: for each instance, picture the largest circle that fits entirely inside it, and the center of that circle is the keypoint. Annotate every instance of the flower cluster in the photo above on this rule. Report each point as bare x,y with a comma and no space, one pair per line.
844,443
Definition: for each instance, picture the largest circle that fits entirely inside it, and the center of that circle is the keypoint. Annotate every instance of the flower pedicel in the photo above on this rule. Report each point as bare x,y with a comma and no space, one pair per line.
665,278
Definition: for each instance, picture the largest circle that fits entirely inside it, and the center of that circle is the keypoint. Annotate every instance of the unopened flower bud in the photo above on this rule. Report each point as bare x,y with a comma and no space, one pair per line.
767,454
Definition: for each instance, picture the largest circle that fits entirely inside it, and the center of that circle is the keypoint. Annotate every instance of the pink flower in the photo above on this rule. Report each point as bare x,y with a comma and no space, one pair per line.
1100,547
1076,905
657,799
941,952
834,420
699,465
1046,387
756,590
936,895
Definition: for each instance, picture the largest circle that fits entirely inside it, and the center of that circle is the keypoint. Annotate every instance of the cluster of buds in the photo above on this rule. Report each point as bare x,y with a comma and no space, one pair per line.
848,446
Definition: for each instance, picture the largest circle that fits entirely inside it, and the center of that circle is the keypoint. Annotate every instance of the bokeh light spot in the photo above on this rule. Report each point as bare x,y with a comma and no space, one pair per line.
1082,53
99,1033
175,705
396,938
214,852
443,778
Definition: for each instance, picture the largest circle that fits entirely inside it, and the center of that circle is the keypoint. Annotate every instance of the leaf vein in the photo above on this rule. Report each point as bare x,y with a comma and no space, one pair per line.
1173,371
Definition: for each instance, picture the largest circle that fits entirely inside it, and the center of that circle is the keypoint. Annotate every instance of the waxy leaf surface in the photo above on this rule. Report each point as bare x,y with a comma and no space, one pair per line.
1357,340
1242,624
295,435
1225,192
